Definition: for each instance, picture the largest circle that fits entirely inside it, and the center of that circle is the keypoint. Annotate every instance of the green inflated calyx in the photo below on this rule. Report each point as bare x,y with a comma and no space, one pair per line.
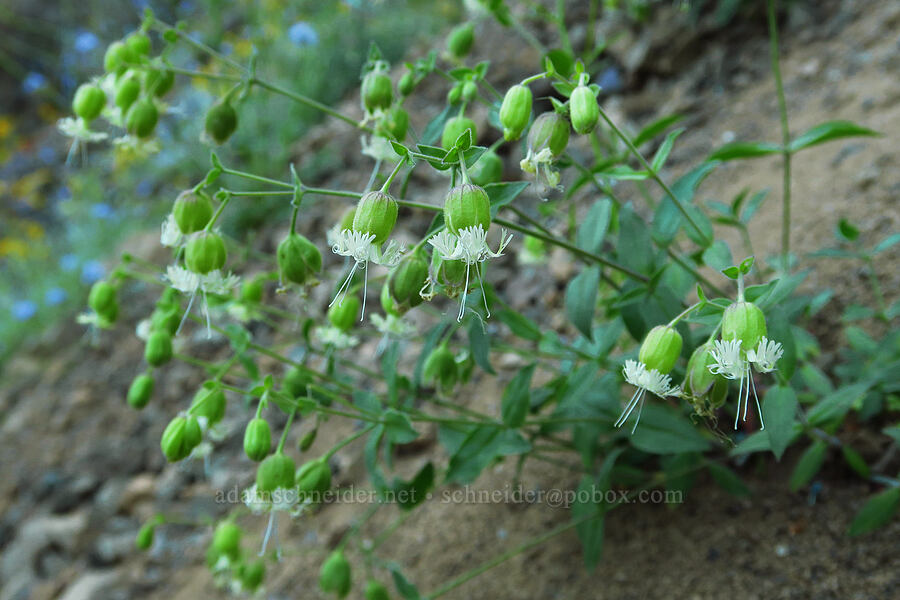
343,314
660,349
376,214
746,322
313,479
276,471
698,377
117,58
454,128
441,368
102,298
141,118
376,92
158,349
252,574
394,124
549,130
140,391
88,102
221,121
139,44
584,111
488,169
515,111
467,205
375,590
227,539
180,437
205,252
257,439
192,211
296,382
209,402
299,260
406,281
335,576
159,81
460,40
128,88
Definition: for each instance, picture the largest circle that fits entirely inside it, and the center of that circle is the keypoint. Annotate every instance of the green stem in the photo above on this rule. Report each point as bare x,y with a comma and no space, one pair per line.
785,137
218,212
390,179
683,313
349,440
876,289
287,428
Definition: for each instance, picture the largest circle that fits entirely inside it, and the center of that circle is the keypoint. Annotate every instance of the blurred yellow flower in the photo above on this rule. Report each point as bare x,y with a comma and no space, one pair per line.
6,126
12,247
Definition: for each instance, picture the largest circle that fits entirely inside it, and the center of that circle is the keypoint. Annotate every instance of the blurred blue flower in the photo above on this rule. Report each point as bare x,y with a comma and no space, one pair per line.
302,33
47,155
144,188
68,262
33,82
85,41
63,193
101,210
226,48
92,271
610,80
55,296
22,310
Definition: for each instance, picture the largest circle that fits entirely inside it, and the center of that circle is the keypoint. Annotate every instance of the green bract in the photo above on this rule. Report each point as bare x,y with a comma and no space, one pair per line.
515,111
584,111
376,214
158,350
221,121
460,40
88,102
205,252
140,391
298,259
276,471
661,348
376,91
454,128
465,206
746,322
192,211
257,439
549,130
342,314
335,576
141,118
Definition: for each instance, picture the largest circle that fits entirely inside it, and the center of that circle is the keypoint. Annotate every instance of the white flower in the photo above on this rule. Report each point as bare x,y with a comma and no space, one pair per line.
77,129
729,362
378,148
540,164
278,500
469,246
171,235
645,380
188,282
392,326
334,337
766,355
362,249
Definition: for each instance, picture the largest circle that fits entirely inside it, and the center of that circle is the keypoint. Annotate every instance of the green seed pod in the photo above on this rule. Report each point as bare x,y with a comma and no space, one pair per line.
221,121
117,57
406,281
454,95
159,81
140,391
454,128
298,259
175,443
128,88
102,297
698,379
205,252
276,471
252,291
314,479
515,111
192,211
744,321
441,368
584,110
488,169
376,214
165,320
335,575
469,91
193,434
375,590
227,539
209,402
307,440
661,348
141,118
376,91
252,574
460,40
257,439
467,205
88,102
549,130
144,538
394,124
296,382
406,84
158,350
387,303
139,44
343,314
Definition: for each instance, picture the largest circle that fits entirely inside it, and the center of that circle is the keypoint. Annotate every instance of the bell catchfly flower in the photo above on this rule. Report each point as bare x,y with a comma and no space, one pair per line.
645,380
188,282
732,362
361,247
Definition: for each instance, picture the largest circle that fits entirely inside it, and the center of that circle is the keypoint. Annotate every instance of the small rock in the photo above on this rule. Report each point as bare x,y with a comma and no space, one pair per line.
90,585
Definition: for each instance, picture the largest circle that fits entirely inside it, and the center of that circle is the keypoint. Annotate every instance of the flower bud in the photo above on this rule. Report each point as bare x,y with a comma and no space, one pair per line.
307,440
406,84
376,214
140,391
469,91
141,118
227,539
466,206
296,382
158,350
209,402
144,538
117,57
549,130
192,211
298,259
343,314
252,574
128,88
376,91
406,280
584,109
335,575
375,590
454,128
166,320
257,439
454,95
313,479
205,252
515,111
159,81
221,121
394,124
660,349
460,40
744,321
441,368
139,44
276,471
488,169
102,298
88,102
177,438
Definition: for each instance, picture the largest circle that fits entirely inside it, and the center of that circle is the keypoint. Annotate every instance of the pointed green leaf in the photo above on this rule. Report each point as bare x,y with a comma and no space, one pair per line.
832,130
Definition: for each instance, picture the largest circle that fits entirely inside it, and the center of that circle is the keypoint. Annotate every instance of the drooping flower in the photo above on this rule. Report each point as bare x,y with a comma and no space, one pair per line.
361,247
732,362
650,373
188,282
